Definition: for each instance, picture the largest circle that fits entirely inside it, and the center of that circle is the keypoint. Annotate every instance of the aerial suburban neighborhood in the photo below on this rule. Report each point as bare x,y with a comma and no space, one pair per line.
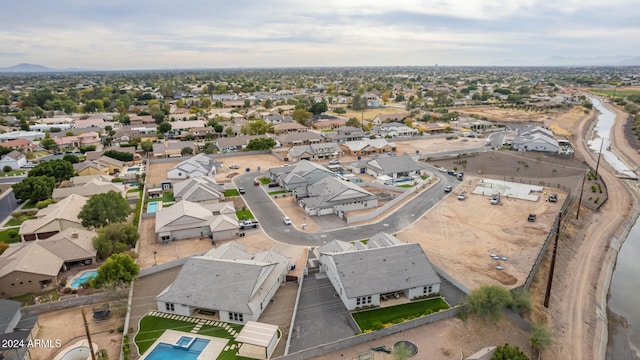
255,215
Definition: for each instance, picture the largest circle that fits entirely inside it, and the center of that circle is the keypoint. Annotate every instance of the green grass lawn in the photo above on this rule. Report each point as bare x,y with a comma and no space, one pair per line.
27,299
30,204
152,327
277,192
378,318
166,197
231,193
405,186
4,236
265,181
244,214
12,173
19,220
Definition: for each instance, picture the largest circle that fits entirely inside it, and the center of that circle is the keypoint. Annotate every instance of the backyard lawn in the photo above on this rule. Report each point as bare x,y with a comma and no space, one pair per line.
4,236
380,317
152,327
165,198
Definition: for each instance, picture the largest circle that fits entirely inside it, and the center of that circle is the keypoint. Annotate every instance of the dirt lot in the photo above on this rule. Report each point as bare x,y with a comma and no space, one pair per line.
463,233
67,326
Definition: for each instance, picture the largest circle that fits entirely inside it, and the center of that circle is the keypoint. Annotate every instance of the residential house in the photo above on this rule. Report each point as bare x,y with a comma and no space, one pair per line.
34,266
365,276
14,159
537,139
331,195
236,143
344,134
394,167
98,123
236,284
84,139
23,145
393,129
54,219
28,135
328,124
199,190
93,187
172,148
299,175
279,119
289,127
47,124
195,166
319,151
114,166
128,133
382,118
135,120
16,329
186,219
299,138
368,147
91,167
201,132
186,125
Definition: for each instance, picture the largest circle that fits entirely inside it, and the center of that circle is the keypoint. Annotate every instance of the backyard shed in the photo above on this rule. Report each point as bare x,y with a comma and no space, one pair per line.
257,340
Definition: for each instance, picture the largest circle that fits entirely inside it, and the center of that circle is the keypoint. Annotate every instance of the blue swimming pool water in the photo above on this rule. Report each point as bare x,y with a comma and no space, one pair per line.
133,169
184,341
152,207
164,351
76,283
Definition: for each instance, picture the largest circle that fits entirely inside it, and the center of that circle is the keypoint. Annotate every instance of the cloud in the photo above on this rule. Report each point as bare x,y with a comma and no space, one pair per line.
122,34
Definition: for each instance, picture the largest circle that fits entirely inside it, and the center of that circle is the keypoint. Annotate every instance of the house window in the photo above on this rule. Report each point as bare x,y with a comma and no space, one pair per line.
365,300
169,307
236,317
427,290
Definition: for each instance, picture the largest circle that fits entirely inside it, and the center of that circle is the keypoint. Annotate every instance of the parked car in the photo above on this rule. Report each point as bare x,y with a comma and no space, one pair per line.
256,182
460,176
441,169
273,184
451,172
495,200
234,166
553,197
241,190
462,195
334,161
448,188
286,220
532,217
250,223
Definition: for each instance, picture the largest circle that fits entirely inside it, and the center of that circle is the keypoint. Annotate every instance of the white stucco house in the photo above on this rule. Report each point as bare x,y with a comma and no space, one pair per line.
331,195
15,159
200,189
537,139
299,175
229,280
395,167
366,274
198,165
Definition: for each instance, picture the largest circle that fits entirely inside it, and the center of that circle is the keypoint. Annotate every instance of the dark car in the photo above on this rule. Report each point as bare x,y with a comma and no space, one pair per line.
451,172
553,198
532,217
274,184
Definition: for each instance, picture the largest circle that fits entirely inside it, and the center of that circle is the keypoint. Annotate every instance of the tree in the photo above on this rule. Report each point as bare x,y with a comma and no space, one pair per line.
301,116
48,144
119,268
488,301
119,155
318,108
540,338
71,158
186,151
209,148
261,144
57,168
401,352
508,352
115,238
4,150
354,122
520,302
164,127
35,188
104,209
358,102
146,146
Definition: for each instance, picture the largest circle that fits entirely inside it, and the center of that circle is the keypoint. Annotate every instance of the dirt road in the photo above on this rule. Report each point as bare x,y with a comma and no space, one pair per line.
577,314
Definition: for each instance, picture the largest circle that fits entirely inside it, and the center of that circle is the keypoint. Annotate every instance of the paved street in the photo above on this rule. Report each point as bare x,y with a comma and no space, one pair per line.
270,216
8,204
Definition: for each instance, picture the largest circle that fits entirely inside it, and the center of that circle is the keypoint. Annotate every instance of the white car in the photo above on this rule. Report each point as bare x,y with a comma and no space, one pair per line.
286,220
441,169
334,161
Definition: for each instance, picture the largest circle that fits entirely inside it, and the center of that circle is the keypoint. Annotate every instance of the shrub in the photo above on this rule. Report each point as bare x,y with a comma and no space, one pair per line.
7,168
13,235
44,203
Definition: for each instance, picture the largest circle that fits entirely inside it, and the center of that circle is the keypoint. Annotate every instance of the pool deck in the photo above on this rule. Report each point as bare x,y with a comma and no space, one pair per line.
210,352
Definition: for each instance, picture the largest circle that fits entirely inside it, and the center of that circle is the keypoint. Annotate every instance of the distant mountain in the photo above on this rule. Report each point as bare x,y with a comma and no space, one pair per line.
26,68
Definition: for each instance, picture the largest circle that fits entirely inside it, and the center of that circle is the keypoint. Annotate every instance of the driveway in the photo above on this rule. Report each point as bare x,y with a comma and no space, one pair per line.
321,316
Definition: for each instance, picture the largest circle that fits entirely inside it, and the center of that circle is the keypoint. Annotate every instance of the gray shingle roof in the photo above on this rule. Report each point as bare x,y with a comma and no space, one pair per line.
395,164
383,270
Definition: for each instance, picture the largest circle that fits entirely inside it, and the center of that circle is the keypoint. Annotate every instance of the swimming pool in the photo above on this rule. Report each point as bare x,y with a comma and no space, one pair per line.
133,169
164,351
152,207
77,282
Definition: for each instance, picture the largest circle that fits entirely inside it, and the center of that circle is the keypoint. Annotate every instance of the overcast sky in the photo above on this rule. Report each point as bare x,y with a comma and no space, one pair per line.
119,34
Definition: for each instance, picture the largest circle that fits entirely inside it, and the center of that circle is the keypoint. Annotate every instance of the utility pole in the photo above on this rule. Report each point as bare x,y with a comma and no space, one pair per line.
547,294
580,200
86,329
599,154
